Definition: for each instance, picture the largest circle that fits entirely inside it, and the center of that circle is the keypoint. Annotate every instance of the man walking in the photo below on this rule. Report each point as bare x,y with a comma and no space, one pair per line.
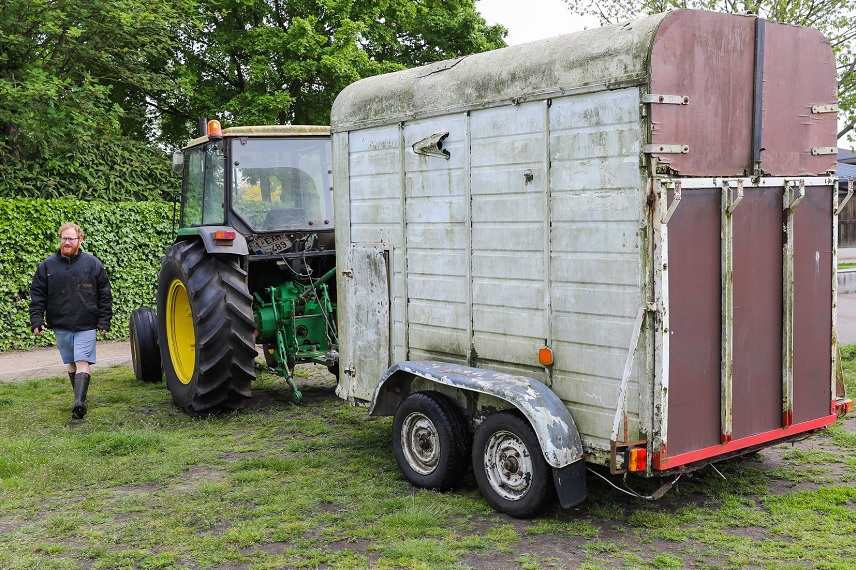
72,290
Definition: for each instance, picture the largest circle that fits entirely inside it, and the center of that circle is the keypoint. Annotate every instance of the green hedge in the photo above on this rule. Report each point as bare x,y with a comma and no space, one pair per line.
128,237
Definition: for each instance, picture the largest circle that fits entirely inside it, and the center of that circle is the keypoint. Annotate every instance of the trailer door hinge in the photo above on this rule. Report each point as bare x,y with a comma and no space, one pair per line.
833,108
665,99
666,148
816,150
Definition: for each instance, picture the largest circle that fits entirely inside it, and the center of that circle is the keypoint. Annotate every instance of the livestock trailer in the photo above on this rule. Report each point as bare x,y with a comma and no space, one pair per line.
612,247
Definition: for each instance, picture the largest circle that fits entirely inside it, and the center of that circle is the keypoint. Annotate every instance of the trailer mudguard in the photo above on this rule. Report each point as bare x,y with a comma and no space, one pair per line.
556,430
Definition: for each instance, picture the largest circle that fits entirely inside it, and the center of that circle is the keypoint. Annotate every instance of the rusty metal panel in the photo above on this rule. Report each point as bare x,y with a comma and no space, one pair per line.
757,318
708,58
799,75
435,274
695,321
812,332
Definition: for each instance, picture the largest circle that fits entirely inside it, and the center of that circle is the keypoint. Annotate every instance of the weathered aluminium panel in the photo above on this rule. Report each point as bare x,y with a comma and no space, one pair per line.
436,285
598,229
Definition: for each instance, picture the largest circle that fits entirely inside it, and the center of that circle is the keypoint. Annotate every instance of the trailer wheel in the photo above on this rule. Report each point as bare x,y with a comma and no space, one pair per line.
430,441
509,467
145,354
205,326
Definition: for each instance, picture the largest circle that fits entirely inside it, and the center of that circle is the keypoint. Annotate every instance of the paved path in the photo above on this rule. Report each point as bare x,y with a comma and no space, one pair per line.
46,362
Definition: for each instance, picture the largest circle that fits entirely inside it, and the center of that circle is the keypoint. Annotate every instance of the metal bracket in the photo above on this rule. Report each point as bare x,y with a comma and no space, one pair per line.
666,148
731,207
668,215
789,192
846,198
816,150
833,108
666,99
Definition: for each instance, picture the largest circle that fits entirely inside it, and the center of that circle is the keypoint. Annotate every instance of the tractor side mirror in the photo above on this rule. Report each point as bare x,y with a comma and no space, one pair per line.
177,162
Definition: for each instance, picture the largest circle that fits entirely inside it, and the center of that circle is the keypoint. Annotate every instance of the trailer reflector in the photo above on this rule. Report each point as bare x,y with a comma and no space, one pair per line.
842,406
636,459
545,356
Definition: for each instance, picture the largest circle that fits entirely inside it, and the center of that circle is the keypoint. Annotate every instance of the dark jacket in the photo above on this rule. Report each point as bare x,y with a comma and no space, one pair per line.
73,291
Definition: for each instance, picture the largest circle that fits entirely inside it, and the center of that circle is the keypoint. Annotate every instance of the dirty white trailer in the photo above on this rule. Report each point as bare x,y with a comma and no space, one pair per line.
613,247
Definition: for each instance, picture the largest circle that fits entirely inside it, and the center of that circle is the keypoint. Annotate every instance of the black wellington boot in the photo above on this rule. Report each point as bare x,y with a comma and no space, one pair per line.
71,379
81,385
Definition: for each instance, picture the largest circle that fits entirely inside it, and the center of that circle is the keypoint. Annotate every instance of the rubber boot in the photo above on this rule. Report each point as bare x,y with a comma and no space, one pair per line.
71,379
81,385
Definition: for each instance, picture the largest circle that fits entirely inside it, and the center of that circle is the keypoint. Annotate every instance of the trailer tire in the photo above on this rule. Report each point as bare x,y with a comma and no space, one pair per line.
509,466
145,354
430,441
205,326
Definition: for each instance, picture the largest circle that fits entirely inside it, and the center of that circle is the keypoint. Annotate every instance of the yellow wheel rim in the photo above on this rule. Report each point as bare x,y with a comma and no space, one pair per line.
179,331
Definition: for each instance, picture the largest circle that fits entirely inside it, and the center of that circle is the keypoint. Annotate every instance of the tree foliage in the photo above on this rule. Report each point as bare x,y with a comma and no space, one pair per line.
836,19
74,79
284,61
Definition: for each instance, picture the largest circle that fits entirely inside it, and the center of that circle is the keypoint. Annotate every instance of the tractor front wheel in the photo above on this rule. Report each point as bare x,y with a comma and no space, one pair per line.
205,326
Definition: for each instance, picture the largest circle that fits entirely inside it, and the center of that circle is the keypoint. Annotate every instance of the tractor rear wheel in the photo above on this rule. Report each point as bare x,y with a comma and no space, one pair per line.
206,329
145,354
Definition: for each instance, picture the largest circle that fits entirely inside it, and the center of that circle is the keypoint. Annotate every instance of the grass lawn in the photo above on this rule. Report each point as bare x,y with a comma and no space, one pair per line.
137,484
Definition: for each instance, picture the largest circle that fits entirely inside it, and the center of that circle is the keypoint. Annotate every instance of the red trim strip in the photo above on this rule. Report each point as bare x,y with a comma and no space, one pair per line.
662,462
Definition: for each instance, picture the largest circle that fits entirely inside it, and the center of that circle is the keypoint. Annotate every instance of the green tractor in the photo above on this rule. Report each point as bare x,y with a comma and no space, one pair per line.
253,263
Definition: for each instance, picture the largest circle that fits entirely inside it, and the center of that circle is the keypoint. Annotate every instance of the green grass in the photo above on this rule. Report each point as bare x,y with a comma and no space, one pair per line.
137,484
847,265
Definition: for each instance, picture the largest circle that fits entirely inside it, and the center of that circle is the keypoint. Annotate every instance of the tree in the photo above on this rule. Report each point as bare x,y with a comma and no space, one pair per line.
284,61
836,19
74,77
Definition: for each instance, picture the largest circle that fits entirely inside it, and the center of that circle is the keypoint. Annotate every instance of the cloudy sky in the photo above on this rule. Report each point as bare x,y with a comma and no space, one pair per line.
529,20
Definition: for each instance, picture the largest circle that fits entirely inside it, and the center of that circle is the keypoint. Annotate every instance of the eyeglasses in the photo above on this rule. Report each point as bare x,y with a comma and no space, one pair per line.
65,239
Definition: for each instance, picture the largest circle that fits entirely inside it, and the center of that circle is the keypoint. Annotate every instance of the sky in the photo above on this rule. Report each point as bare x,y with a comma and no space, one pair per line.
529,20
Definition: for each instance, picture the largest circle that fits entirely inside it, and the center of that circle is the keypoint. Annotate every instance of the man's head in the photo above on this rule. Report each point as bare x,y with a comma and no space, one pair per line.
70,238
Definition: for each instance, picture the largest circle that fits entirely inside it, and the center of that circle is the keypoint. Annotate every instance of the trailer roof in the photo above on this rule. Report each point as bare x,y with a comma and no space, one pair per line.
268,131
606,57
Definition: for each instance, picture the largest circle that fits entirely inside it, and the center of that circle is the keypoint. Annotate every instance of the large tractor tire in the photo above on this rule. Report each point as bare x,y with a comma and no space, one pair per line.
145,354
206,329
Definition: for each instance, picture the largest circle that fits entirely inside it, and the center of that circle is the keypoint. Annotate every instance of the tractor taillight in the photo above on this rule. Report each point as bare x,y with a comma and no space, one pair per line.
224,237
215,131
636,459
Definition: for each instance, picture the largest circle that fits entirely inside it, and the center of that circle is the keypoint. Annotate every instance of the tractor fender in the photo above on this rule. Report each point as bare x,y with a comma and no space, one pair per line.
556,430
238,246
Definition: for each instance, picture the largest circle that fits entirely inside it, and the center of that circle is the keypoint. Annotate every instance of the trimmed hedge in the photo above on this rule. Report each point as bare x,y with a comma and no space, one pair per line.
128,237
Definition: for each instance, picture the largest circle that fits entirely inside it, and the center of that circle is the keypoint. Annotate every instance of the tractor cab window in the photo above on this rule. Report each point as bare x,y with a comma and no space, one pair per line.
282,184
204,186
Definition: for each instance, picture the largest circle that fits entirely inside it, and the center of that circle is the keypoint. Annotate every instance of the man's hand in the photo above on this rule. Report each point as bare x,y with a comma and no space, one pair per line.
103,333
38,330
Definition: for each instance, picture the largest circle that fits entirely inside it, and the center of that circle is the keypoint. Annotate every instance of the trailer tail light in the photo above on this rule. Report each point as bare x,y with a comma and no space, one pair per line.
843,406
224,237
636,459
215,131
545,356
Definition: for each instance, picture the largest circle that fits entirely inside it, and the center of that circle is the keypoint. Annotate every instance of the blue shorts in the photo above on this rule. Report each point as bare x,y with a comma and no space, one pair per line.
76,346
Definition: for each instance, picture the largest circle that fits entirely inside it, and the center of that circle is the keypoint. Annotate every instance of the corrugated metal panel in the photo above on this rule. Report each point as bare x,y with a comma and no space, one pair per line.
597,207
437,237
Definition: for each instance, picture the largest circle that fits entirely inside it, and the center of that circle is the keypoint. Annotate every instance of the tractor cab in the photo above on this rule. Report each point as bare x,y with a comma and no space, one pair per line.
253,264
